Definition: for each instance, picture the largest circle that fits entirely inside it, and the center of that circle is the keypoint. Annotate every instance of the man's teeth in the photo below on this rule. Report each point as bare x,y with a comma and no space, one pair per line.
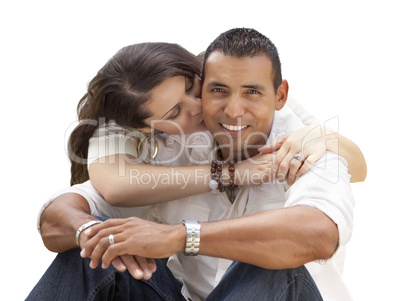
234,128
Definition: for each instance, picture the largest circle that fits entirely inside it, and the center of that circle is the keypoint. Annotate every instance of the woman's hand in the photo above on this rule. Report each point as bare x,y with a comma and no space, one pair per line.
133,236
308,142
261,168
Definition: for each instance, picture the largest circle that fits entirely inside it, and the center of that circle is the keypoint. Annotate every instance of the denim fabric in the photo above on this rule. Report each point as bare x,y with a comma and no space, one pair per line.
247,282
70,278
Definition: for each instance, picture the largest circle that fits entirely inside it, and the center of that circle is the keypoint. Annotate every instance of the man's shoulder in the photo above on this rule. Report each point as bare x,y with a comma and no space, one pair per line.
285,122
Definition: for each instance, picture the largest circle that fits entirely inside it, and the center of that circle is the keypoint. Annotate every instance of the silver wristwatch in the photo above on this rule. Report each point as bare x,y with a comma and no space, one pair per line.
192,238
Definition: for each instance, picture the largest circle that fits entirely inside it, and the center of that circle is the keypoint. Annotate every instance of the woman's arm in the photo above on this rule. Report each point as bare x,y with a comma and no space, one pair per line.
311,148
311,143
126,184
129,184
351,152
124,181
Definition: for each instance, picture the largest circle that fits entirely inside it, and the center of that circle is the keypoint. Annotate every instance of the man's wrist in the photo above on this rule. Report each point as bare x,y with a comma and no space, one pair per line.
192,244
82,228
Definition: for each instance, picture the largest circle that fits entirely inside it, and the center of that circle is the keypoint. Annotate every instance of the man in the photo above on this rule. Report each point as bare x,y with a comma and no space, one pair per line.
269,231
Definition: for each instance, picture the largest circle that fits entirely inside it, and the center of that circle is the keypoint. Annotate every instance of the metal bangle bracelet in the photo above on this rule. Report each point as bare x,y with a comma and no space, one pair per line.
82,228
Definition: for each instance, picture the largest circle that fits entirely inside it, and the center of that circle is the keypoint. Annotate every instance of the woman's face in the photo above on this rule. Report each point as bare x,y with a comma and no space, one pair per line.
175,105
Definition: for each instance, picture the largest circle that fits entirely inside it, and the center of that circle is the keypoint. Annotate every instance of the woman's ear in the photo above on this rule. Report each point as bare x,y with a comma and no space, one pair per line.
282,95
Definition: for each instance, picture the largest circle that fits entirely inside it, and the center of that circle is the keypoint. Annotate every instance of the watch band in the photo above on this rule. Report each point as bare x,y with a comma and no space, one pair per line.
192,238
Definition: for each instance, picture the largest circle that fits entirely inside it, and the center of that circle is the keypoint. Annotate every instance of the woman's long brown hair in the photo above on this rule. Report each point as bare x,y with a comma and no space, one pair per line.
119,91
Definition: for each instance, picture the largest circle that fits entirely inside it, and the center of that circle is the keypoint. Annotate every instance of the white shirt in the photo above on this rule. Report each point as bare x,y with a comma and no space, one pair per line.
325,186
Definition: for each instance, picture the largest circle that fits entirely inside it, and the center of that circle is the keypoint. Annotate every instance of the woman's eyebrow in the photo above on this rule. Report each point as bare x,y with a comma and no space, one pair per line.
169,111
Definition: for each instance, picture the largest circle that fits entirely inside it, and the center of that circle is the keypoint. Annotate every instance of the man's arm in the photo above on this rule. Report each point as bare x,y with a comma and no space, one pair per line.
273,239
61,219
318,216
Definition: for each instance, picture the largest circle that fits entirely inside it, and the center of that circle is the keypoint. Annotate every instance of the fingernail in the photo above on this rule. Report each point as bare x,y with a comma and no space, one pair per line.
138,273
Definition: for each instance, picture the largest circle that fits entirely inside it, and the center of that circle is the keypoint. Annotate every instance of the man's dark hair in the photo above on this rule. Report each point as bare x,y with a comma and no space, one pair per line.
243,42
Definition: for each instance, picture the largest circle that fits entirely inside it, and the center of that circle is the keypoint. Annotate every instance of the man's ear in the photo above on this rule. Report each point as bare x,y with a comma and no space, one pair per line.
146,129
282,95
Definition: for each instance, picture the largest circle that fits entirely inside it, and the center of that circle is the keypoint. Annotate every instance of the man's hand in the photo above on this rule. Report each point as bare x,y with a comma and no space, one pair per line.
133,236
138,267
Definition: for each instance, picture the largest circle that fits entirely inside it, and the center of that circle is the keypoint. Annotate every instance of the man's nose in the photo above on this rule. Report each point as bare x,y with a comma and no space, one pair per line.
234,107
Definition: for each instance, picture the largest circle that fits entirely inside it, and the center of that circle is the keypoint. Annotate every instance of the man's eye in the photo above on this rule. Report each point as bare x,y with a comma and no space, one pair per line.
219,90
253,92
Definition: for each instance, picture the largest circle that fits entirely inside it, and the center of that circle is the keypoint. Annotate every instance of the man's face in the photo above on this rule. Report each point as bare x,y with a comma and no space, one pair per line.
239,101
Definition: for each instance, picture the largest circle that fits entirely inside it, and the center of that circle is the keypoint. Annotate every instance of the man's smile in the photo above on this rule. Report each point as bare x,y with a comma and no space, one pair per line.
233,128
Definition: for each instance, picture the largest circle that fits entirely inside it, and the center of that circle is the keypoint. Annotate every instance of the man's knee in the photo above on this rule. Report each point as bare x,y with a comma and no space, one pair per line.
248,282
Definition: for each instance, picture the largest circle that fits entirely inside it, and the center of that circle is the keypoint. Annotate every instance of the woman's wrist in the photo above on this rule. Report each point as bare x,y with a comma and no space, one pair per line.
225,174
230,174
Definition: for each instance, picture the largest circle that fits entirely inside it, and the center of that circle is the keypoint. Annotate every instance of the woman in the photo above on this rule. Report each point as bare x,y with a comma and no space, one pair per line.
155,88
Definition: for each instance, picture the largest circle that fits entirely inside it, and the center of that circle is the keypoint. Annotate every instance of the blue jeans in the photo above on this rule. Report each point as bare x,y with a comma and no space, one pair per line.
70,278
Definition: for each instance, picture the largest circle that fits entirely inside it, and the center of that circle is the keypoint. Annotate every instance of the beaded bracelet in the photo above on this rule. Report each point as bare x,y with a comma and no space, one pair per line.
216,174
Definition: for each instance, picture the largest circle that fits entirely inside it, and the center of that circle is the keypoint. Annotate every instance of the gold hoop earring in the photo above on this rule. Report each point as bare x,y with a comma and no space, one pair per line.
143,142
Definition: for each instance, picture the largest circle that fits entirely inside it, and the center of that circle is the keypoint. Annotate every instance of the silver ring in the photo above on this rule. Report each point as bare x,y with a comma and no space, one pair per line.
298,157
111,239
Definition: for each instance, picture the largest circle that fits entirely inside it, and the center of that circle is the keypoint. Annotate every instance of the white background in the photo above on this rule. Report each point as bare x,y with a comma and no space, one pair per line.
342,59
